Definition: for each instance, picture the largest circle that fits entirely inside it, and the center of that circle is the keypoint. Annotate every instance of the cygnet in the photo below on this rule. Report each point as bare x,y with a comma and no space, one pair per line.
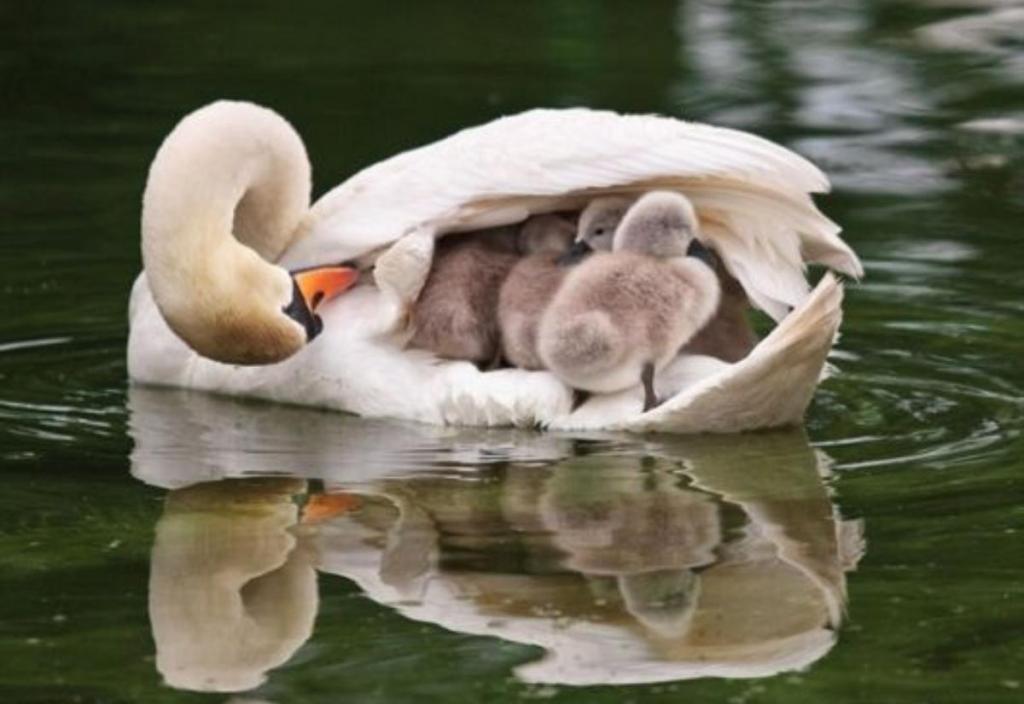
622,315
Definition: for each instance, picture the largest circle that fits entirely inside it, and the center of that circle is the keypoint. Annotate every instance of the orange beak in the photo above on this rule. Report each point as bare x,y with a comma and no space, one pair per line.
321,284
322,507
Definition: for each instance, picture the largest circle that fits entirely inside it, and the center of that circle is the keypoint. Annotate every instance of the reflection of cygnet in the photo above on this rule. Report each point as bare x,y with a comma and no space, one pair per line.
231,595
530,286
664,600
616,529
648,537
620,316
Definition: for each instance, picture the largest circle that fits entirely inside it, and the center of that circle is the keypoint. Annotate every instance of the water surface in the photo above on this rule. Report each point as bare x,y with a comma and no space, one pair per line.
155,544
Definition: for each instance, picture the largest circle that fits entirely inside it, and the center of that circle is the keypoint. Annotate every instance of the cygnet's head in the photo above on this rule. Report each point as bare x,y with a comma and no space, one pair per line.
660,224
599,220
596,227
547,233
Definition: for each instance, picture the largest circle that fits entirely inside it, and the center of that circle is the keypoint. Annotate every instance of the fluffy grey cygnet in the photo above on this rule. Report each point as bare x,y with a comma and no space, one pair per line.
455,316
622,315
727,336
530,286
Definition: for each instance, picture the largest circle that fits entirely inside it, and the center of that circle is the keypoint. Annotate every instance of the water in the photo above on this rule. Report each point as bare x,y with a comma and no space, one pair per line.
873,556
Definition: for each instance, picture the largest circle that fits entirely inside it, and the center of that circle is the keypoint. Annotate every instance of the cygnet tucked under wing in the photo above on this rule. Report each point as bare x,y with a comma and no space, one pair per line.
727,336
530,286
620,316
455,315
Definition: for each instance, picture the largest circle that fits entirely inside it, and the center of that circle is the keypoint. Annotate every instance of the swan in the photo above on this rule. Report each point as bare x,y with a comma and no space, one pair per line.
621,316
223,169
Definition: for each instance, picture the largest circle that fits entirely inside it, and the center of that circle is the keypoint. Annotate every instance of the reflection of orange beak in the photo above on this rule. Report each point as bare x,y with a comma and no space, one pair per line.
320,284
322,507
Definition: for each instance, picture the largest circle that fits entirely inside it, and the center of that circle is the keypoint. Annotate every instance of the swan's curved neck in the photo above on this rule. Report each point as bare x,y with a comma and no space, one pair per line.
226,194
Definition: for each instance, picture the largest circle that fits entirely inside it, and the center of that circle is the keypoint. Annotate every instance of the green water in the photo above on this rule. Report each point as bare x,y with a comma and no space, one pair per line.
449,562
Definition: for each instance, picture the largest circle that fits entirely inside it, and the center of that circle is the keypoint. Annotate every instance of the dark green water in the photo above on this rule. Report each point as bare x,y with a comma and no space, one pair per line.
453,554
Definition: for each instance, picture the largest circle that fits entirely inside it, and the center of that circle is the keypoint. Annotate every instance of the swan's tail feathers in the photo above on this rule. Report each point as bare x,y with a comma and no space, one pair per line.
582,348
770,387
800,345
766,240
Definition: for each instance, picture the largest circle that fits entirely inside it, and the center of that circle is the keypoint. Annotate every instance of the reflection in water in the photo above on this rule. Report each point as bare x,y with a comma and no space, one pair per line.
645,561
232,593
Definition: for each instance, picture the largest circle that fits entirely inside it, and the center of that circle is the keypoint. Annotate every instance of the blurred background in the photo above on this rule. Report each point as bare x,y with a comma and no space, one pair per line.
915,109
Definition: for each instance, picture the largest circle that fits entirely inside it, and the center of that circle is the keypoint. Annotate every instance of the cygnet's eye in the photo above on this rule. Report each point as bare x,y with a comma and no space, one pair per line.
599,231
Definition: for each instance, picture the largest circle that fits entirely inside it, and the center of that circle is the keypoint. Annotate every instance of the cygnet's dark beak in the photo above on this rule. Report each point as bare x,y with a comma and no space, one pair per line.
312,287
579,251
699,251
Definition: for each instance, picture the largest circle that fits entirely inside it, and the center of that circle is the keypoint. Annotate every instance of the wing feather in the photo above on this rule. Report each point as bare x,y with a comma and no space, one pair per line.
753,194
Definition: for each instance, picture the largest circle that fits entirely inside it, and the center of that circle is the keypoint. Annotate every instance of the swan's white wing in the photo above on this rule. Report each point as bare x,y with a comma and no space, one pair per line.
752,194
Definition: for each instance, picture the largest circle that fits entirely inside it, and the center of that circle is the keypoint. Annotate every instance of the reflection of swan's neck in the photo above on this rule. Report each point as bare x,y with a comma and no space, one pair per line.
227,171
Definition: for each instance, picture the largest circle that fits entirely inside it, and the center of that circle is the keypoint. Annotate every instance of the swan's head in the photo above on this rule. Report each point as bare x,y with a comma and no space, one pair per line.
661,224
242,310
227,193
596,227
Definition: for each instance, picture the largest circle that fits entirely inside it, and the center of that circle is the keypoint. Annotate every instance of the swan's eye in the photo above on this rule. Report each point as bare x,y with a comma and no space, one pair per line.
599,231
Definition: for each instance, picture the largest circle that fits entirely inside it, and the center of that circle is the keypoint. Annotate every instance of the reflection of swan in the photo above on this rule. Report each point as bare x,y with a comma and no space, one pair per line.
752,195
183,438
629,576
641,562
231,595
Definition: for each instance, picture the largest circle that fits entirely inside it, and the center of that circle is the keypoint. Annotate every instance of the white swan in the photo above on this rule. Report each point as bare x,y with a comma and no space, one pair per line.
236,167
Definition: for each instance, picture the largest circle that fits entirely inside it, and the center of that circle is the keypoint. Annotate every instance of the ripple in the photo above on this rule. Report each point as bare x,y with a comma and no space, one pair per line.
1002,125
933,411
67,392
29,344
996,32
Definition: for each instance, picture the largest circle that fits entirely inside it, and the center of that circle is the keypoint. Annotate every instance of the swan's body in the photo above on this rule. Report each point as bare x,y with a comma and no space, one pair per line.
621,316
530,286
752,197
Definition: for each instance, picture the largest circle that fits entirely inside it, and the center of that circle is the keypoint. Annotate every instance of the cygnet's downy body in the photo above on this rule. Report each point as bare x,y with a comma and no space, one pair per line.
530,286
727,336
622,315
455,316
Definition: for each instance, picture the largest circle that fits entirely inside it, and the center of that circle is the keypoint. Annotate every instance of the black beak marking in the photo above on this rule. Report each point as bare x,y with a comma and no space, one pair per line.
699,251
579,251
298,311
